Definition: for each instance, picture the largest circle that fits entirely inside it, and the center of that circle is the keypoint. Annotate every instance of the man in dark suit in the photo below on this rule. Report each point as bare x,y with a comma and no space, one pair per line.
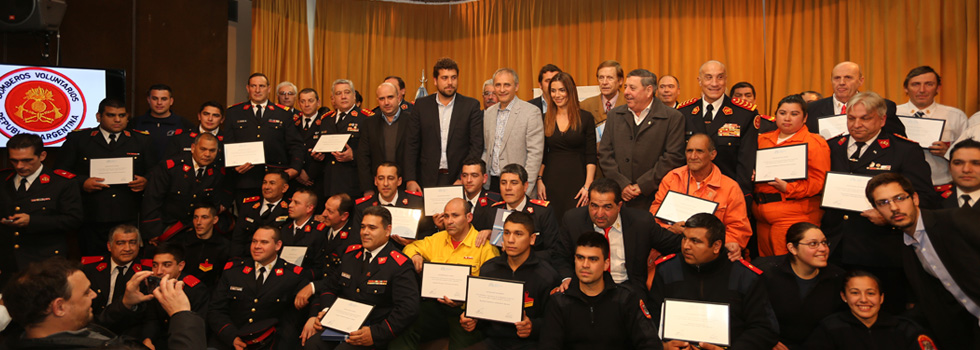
631,233
544,80
109,277
344,231
513,189
964,167
862,240
107,206
339,168
303,231
258,119
383,136
387,179
400,98
308,118
642,142
37,207
732,123
941,260
846,79
473,176
257,289
268,209
446,128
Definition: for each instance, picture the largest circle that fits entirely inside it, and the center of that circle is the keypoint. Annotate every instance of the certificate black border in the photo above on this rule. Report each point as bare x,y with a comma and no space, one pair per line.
416,235
362,321
435,263
941,130
462,194
657,215
806,164
663,311
466,311
824,190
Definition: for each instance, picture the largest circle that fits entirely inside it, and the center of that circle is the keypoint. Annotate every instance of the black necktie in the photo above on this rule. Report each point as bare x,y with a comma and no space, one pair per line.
258,112
367,260
200,173
258,278
918,114
340,117
966,201
23,185
306,126
112,139
857,154
267,212
120,288
708,113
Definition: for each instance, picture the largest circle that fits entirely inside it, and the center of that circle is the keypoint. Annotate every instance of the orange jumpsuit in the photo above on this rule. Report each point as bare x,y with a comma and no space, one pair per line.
716,188
800,202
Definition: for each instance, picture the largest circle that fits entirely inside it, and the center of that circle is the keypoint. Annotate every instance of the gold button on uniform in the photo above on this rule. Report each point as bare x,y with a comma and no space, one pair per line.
16,246
113,195
845,217
16,208
250,320
16,233
256,300
253,309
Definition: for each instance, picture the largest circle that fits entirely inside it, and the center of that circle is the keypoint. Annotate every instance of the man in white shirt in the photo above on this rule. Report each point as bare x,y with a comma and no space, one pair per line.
922,84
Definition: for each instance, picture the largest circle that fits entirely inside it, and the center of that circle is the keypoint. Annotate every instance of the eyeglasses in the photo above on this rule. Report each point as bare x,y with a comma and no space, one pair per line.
286,93
487,93
897,200
815,244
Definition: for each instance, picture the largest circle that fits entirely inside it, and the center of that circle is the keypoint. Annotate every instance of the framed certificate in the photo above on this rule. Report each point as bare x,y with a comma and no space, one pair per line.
404,221
784,162
346,315
695,321
331,143
115,171
845,191
436,198
244,152
448,280
293,254
678,207
832,126
495,299
925,131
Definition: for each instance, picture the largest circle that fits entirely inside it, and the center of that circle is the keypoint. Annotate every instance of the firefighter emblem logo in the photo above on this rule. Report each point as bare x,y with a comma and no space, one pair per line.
40,101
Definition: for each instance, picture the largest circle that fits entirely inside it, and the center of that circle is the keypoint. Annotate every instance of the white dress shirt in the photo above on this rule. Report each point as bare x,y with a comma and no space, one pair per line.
716,105
852,145
30,178
112,277
445,116
617,250
638,118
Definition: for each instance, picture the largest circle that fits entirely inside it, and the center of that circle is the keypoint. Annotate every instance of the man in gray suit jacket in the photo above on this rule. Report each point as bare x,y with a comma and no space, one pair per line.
643,140
513,131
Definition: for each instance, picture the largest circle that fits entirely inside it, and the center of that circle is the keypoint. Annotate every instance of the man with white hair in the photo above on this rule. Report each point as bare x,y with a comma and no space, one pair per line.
286,94
339,168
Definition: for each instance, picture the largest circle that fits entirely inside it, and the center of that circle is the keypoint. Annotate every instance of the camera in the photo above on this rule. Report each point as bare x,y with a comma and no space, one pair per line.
149,284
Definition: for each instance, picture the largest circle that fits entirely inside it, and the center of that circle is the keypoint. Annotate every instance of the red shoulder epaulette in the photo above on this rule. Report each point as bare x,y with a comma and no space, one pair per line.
366,113
498,203
178,131
329,114
191,281
321,226
743,103
95,132
362,199
283,204
126,132
352,248
884,143
229,264
297,269
193,134
171,164
245,105
144,132
147,262
540,202
251,199
753,268
688,103
417,194
91,259
664,258
281,106
399,258
64,174
770,118
905,138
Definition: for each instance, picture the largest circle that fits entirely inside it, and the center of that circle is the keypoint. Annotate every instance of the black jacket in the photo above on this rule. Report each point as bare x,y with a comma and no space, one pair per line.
546,244
824,107
539,279
843,331
181,141
98,270
799,316
312,236
249,220
204,258
371,151
172,191
423,145
752,321
154,319
341,177
617,318
283,144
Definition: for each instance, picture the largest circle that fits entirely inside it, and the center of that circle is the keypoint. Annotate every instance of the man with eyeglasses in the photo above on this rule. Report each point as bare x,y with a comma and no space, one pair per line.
489,98
941,260
286,94
863,240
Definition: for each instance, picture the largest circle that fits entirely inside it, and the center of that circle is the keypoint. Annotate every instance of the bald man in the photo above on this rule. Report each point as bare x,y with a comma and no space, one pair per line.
383,139
846,80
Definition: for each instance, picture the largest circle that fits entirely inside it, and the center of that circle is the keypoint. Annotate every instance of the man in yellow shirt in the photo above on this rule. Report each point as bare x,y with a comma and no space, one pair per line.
455,245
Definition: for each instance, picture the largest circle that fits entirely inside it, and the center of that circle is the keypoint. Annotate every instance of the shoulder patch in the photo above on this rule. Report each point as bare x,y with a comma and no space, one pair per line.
191,281
102,266
399,258
171,164
362,199
321,226
885,143
64,174
643,307
540,202
925,343
92,259
297,269
688,103
417,194
250,199
353,247
147,262
748,265
744,104
664,258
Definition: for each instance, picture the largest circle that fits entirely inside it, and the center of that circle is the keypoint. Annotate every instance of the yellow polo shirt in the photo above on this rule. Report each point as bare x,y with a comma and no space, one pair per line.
438,248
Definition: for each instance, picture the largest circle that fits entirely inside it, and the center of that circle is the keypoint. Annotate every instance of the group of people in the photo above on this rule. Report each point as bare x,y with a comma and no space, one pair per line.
254,255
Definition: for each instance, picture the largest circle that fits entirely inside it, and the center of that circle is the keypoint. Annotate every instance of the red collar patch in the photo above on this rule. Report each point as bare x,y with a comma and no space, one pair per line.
137,267
382,260
171,164
343,234
306,229
884,143
210,171
187,167
279,272
297,269
247,270
841,141
696,110
405,201
45,178
727,110
102,266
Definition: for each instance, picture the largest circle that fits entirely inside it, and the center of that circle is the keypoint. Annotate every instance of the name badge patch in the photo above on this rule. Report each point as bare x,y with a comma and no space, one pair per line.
345,275
235,288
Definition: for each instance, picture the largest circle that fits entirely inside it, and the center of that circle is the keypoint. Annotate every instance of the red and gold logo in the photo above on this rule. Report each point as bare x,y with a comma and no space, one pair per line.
40,101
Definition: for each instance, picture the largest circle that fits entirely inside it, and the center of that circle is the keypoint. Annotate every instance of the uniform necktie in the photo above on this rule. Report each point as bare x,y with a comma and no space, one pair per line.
607,239
843,109
23,185
112,139
258,111
367,260
966,201
200,173
340,116
918,114
120,288
258,278
857,154
306,126
267,213
608,106
708,113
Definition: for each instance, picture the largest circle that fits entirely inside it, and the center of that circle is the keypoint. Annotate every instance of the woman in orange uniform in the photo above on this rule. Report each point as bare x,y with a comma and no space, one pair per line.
779,204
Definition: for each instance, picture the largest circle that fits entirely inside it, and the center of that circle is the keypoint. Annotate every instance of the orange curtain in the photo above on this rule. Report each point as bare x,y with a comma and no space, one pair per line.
790,49
280,42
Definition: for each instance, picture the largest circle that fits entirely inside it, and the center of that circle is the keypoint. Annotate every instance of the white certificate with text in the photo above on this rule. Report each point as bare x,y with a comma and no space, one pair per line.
244,152
845,191
448,280
925,131
784,162
437,197
695,321
331,143
832,126
115,171
293,254
346,315
404,221
495,299
678,207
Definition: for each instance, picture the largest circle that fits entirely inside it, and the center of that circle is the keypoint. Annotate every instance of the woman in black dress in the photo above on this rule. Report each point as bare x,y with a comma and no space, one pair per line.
570,152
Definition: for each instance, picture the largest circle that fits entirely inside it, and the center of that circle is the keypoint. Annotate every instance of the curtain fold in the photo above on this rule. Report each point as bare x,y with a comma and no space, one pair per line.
365,41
